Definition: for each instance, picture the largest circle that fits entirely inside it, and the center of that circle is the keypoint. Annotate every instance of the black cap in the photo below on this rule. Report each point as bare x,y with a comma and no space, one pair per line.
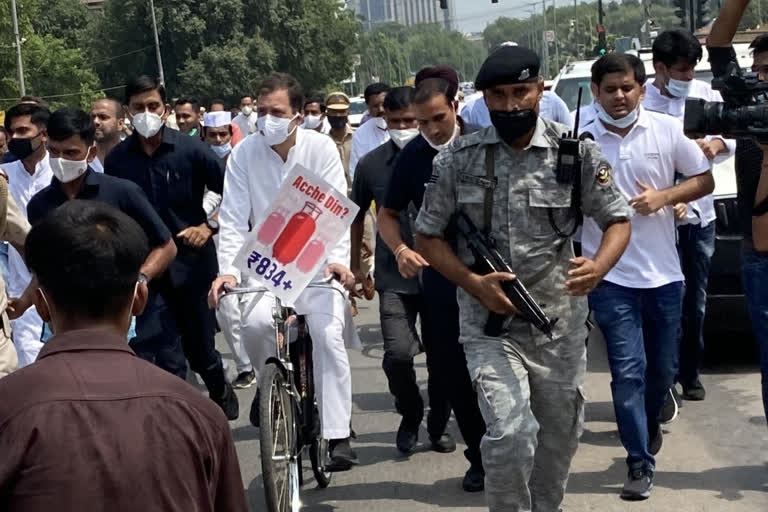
508,65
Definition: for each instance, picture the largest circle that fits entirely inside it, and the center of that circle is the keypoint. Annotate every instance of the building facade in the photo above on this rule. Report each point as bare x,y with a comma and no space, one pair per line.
404,12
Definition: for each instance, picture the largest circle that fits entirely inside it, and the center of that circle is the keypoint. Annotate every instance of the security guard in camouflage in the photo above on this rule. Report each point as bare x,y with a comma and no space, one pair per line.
529,387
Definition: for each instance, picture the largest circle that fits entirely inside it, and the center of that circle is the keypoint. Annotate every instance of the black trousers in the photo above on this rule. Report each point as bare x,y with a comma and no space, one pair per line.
182,314
398,313
440,328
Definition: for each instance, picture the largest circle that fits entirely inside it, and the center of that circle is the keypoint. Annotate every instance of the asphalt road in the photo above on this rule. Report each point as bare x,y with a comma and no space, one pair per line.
714,459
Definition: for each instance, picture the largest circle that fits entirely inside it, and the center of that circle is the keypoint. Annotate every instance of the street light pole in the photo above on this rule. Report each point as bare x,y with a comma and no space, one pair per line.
22,85
157,43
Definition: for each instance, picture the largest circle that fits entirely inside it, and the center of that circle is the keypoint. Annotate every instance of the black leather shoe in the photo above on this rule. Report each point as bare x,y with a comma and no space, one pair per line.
474,479
229,403
343,457
407,437
443,444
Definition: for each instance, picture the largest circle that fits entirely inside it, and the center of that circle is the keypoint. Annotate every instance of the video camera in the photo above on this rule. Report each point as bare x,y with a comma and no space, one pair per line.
743,114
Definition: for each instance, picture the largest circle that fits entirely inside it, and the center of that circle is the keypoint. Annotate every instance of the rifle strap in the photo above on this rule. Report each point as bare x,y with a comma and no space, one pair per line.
490,174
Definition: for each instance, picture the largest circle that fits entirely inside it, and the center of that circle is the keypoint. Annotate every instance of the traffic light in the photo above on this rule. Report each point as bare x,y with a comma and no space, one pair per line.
703,13
680,12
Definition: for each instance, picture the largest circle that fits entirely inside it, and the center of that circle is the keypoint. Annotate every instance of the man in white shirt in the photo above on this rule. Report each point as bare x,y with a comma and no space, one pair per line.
26,123
373,132
638,304
551,106
108,118
675,55
255,171
246,119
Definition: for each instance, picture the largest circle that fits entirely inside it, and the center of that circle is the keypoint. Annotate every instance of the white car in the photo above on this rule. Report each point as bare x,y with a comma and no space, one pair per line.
357,109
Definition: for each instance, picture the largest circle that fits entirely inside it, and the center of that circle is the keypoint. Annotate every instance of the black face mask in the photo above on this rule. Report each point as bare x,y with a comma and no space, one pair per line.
513,125
22,148
336,122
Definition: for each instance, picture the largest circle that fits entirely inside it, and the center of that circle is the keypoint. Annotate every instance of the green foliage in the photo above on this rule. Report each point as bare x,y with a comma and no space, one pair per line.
54,65
393,53
221,48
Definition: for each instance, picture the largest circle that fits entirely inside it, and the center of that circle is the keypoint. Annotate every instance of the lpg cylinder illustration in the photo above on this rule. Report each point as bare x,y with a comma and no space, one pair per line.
296,234
272,226
312,253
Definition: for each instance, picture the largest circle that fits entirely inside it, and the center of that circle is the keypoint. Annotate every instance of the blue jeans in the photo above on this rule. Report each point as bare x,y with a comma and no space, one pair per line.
641,328
755,275
695,245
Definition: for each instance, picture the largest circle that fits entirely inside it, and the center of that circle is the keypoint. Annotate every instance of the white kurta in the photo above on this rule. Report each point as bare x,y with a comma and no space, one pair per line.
27,330
255,173
366,138
247,124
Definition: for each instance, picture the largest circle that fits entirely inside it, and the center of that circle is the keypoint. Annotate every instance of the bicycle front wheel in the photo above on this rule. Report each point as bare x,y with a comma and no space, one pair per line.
279,463
318,455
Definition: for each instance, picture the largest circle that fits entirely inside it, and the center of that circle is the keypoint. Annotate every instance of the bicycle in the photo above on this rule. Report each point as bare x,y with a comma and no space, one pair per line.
288,415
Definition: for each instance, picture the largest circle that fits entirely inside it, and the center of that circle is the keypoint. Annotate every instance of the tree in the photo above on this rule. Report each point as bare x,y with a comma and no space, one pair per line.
52,68
314,40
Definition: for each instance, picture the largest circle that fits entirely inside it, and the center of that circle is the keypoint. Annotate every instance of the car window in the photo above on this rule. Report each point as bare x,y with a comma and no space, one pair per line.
568,90
357,107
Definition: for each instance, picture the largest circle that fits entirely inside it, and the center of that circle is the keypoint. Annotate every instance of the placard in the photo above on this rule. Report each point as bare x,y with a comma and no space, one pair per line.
303,223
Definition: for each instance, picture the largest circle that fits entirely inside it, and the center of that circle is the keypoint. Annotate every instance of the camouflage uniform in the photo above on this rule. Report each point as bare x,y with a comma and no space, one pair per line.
529,388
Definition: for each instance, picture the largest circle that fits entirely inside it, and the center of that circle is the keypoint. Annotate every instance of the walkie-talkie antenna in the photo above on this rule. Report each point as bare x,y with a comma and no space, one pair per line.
578,116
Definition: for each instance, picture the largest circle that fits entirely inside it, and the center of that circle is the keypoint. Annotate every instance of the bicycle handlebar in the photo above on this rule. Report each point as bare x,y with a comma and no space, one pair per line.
242,290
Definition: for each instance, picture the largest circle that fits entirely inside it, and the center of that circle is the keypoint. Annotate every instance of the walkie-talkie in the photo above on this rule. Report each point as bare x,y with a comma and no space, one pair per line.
569,155
568,172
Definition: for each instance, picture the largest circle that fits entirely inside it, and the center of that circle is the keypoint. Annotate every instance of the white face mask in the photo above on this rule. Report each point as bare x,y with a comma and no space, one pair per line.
624,122
147,124
438,147
68,170
275,129
679,88
50,311
223,150
246,111
401,138
312,122
381,123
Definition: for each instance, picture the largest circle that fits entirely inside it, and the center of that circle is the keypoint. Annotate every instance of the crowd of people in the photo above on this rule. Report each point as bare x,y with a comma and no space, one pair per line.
123,226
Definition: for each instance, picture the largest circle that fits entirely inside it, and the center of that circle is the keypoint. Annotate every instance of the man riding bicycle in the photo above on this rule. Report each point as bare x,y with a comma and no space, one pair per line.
255,173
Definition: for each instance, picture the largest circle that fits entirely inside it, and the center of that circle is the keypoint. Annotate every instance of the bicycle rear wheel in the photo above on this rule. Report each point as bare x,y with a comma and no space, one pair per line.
318,455
279,463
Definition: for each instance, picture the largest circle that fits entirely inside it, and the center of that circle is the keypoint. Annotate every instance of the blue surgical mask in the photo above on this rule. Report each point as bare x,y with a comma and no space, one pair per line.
624,122
679,88
223,150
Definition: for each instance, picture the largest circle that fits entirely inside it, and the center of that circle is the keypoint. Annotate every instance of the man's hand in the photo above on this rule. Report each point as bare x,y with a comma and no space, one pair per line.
196,236
583,277
409,263
342,274
712,148
17,306
649,201
681,210
218,287
488,290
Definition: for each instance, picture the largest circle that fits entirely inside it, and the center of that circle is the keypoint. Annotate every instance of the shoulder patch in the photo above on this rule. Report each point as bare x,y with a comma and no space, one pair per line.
603,175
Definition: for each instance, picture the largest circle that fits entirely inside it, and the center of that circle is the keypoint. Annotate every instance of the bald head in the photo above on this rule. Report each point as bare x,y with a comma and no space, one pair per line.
107,115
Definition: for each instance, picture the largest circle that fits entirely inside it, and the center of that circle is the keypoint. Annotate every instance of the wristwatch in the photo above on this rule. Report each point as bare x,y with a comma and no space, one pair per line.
213,225
143,278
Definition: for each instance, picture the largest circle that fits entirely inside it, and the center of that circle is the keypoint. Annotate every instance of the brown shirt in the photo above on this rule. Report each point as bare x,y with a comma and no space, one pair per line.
90,426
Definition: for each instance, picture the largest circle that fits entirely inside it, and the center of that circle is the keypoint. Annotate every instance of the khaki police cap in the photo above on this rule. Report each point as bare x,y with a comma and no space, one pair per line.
337,101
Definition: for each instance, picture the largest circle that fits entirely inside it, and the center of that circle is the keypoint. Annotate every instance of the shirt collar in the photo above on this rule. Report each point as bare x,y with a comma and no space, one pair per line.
85,339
